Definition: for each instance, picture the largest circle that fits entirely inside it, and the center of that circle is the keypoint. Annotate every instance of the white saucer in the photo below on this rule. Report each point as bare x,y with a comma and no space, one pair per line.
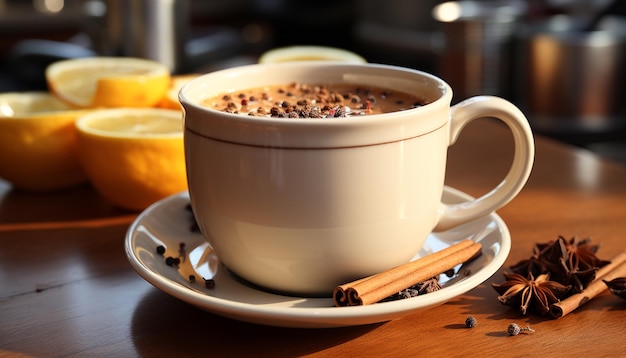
168,222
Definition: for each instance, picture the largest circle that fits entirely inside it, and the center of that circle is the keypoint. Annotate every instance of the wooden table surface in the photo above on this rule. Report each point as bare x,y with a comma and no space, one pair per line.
67,289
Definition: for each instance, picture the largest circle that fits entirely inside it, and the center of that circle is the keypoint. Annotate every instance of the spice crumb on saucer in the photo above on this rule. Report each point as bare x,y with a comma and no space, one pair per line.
209,283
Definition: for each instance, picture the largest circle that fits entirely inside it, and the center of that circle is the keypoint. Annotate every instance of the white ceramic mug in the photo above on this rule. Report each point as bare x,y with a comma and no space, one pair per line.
302,205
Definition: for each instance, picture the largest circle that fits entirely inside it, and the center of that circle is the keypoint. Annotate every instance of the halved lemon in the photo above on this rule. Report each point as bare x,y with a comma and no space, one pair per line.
171,96
309,53
108,81
133,156
38,142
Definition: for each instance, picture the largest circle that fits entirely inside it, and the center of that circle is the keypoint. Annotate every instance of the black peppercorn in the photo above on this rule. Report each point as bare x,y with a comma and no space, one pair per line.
514,329
209,283
470,322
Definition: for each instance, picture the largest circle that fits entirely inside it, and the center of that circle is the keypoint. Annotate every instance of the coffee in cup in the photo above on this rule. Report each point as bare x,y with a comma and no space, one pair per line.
301,100
301,205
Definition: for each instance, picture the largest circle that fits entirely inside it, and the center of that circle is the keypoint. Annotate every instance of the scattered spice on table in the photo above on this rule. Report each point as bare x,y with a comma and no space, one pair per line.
530,293
617,268
514,329
617,286
558,277
573,263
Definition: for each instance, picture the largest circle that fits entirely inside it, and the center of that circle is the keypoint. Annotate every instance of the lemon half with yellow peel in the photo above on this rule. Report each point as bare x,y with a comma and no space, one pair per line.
309,53
108,81
133,156
171,96
38,142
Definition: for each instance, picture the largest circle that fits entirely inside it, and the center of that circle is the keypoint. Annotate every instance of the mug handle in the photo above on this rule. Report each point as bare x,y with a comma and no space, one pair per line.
499,108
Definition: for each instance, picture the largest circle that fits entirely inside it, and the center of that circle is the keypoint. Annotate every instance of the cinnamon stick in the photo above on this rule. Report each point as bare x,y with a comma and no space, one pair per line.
374,288
617,268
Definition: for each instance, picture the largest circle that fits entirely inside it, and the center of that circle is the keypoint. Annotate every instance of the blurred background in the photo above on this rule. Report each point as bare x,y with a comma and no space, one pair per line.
561,61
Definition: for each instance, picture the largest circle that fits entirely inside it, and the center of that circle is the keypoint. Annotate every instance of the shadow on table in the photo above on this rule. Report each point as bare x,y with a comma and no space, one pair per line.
73,204
189,330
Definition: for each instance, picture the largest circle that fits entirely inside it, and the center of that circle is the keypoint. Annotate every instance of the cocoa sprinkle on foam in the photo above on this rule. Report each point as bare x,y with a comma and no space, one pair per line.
314,101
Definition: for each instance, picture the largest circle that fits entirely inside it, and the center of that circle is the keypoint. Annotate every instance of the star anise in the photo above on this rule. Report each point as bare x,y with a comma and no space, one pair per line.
533,265
530,266
534,294
578,265
572,263
617,286
581,254
575,277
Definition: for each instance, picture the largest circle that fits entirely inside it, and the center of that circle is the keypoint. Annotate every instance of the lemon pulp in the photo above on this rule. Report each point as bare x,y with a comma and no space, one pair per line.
38,142
133,157
108,81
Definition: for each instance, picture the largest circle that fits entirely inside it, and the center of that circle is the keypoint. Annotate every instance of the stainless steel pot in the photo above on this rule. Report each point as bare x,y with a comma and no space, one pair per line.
574,81
152,29
476,57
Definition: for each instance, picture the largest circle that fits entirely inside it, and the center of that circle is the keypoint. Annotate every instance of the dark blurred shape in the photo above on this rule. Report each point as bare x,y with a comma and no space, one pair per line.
28,59
318,22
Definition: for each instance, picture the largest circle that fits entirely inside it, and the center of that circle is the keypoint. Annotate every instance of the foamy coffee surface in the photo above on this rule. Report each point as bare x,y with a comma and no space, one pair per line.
297,100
